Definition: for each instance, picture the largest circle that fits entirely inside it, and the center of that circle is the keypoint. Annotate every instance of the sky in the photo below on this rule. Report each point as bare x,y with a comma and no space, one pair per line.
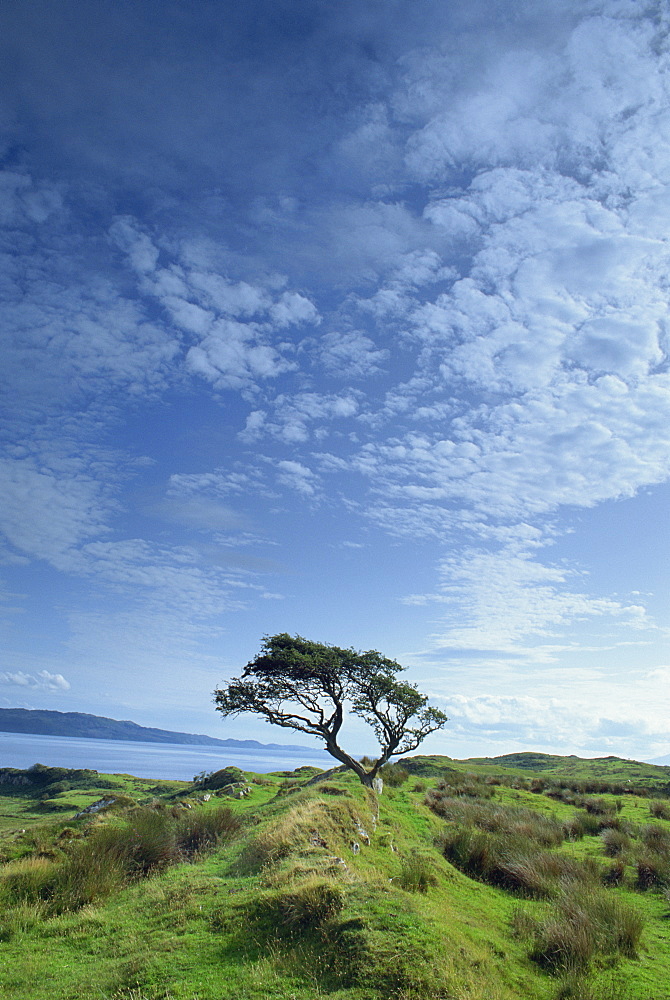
347,320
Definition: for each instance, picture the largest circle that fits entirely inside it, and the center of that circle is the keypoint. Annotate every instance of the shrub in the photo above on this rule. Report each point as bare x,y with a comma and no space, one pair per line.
590,824
659,810
539,874
615,874
110,856
144,844
597,807
66,885
28,880
217,779
512,861
494,818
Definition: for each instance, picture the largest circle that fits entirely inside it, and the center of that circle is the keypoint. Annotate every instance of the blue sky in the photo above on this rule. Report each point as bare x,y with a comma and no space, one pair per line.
347,320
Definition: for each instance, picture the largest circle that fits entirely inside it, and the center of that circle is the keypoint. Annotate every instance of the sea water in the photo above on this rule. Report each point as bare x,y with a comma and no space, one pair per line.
148,760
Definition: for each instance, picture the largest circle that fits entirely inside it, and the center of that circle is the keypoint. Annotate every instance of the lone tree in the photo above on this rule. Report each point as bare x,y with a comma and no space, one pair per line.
306,685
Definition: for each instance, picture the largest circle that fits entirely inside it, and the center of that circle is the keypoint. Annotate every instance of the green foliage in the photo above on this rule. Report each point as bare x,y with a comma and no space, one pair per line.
659,810
303,685
615,842
112,855
200,830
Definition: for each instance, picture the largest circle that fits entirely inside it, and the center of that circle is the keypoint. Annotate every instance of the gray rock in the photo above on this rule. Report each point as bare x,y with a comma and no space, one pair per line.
96,807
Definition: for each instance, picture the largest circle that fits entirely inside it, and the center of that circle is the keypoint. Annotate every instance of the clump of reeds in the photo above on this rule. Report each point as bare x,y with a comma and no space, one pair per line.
417,874
113,854
299,908
584,921
659,810
615,842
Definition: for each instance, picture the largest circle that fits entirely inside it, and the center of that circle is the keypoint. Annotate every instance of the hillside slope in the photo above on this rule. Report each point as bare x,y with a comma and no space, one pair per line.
474,884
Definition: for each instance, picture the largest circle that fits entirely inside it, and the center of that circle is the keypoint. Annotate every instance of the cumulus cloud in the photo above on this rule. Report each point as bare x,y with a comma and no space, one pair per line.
42,681
598,717
231,325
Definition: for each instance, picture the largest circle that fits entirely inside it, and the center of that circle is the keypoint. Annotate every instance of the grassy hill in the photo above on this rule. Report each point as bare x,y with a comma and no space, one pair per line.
485,880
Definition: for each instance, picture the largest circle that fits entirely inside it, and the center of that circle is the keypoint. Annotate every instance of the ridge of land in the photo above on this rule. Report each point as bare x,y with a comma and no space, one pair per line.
45,722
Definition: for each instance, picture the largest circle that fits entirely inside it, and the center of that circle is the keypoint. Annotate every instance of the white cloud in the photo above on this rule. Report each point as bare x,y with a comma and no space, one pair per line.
293,308
297,477
351,354
142,253
232,323
295,419
23,201
47,514
234,356
42,681
201,513
497,600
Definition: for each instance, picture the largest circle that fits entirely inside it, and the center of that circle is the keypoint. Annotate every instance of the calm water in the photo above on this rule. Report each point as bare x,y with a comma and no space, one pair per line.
146,760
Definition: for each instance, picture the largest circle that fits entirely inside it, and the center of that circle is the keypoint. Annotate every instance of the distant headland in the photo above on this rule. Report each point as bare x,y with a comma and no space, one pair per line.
43,722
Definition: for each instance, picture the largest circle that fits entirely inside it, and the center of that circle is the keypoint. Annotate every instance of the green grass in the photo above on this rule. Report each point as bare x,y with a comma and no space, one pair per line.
327,891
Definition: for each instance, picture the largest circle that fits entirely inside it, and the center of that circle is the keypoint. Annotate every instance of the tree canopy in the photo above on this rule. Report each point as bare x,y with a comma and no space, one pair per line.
310,687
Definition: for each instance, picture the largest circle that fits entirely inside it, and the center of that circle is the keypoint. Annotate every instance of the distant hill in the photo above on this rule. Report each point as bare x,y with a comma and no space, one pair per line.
607,769
612,767
42,722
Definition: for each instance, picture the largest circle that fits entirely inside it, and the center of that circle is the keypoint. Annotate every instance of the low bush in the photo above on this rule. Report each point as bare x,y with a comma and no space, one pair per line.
615,874
513,862
656,838
591,824
145,843
652,871
214,780
495,818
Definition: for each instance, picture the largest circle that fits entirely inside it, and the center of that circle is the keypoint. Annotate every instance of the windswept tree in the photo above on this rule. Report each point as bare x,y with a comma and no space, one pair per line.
310,687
